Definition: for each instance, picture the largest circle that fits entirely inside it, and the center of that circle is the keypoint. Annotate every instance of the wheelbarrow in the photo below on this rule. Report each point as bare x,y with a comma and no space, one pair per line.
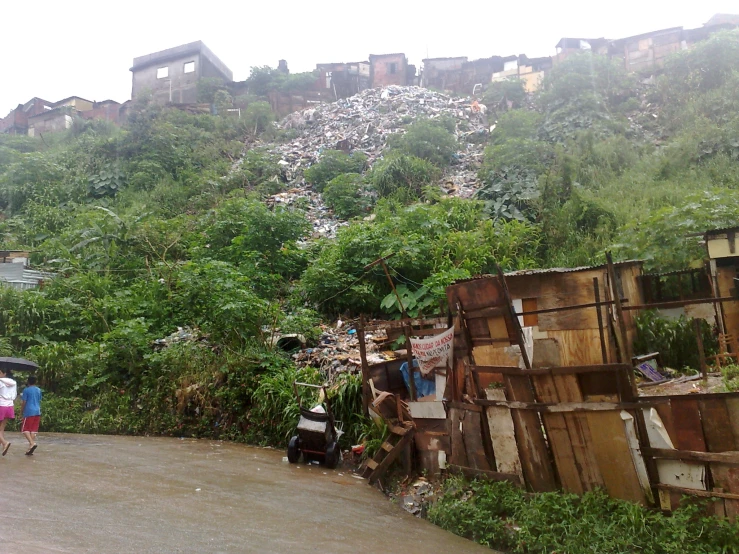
316,435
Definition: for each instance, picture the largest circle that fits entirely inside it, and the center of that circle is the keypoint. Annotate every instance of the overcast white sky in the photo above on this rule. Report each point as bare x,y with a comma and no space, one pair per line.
86,48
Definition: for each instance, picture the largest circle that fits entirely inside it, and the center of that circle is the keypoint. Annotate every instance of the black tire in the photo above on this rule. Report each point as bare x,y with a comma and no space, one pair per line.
293,450
333,454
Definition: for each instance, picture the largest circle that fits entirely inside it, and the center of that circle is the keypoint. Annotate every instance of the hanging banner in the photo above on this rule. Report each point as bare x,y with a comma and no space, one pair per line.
433,351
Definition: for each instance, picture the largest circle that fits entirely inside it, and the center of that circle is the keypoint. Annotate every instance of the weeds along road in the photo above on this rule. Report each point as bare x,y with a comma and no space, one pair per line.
94,493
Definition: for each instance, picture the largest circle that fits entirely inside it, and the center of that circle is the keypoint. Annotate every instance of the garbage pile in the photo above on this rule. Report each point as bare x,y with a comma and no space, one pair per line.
416,497
363,123
182,334
337,350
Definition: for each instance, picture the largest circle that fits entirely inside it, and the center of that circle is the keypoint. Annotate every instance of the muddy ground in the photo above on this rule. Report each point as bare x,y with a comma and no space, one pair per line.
87,493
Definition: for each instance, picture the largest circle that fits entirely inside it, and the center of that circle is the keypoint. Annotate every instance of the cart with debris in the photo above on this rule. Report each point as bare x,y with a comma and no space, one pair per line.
317,435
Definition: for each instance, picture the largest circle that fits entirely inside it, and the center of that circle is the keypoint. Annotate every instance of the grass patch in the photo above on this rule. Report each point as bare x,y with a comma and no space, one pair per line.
501,516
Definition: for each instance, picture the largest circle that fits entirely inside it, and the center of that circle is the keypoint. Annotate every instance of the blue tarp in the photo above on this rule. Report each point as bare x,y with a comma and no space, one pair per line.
424,387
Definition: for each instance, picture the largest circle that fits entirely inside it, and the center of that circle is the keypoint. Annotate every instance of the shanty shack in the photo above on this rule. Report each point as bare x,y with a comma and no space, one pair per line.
540,391
723,256
559,309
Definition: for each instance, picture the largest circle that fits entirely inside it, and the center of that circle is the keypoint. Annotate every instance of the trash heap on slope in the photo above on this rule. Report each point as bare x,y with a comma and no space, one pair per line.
337,350
363,123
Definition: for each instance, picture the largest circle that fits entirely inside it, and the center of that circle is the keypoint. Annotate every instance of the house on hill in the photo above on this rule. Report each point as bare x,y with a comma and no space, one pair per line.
16,122
172,75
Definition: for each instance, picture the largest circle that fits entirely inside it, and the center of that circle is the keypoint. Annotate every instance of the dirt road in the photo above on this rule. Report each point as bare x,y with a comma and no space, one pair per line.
87,493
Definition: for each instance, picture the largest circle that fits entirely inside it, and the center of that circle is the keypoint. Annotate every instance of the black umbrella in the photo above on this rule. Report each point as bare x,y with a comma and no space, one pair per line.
18,364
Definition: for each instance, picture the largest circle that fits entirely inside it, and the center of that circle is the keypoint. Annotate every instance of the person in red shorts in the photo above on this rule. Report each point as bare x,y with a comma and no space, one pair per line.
31,409
8,392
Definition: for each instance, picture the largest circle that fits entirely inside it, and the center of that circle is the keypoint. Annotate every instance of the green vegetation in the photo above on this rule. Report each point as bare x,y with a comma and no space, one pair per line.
347,195
403,176
332,164
605,162
501,516
160,224
730,376
434,245
674,339
428,139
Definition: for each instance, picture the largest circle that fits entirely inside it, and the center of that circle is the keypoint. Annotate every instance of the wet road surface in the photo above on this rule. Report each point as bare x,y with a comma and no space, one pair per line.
93,493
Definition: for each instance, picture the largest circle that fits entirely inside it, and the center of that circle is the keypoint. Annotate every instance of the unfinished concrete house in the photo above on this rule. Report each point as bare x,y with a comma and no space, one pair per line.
16,122
391,69
342,80
172,75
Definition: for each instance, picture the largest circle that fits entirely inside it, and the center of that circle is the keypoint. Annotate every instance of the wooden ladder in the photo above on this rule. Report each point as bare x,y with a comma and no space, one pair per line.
391,448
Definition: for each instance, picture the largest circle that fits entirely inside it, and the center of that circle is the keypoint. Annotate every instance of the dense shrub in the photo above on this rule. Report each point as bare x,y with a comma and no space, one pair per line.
501,516
429,139
331,164
347,195
403,173
673,338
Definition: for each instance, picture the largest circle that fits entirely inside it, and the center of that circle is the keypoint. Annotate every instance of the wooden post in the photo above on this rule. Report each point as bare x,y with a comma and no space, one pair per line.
626,353
516,324
603,351
409,359
392,286
365,365
406,326
701,352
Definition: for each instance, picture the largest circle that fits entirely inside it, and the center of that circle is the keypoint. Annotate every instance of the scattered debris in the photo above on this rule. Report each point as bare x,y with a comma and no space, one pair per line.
337,350
417,496
363,123
182,334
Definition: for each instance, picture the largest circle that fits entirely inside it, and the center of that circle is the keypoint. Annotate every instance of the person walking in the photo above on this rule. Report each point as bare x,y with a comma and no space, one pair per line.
31,410
8,393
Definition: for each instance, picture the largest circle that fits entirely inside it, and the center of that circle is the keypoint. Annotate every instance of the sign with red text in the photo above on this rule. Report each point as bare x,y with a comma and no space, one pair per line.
433,351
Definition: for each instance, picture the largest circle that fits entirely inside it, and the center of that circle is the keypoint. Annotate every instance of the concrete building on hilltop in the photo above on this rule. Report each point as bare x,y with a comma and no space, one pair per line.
16,122
342,80
391,69
172,75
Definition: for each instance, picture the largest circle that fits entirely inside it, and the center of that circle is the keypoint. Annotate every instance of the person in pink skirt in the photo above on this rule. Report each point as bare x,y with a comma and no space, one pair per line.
8,392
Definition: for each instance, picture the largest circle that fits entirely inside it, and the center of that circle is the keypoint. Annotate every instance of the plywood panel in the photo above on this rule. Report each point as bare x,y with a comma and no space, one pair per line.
568,289
569,319
546,353
687,425
458,451
530,305
731,309
614,456
559,437
532,448
472,435
474,295
579,431
578,347
732,407
502,435
525,286
632,292
717,429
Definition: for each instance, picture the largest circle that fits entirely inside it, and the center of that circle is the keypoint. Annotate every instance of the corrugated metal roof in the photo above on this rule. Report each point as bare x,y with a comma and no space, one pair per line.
720,231
17,276
555,270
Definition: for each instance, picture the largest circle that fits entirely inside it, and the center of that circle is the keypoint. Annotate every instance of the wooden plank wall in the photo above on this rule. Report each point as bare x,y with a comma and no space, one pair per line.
726,277
704,424
592,447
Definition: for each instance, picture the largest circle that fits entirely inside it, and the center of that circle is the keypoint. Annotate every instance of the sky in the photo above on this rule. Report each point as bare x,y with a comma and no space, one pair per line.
86,48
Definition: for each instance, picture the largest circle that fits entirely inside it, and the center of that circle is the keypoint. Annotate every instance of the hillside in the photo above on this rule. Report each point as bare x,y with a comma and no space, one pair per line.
237,229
